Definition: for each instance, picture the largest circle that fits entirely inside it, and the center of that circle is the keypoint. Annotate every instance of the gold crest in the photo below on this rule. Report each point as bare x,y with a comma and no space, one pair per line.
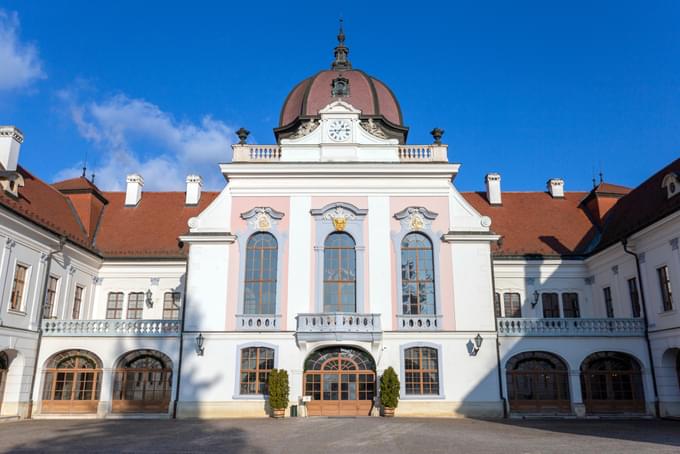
263,222
340,223
417,223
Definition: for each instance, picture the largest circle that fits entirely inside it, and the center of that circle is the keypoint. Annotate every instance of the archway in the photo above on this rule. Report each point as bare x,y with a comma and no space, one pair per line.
72,382
611,382
538,382
142,383
340,382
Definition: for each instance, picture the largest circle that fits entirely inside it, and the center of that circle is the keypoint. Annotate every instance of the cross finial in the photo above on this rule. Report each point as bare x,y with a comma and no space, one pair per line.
341,33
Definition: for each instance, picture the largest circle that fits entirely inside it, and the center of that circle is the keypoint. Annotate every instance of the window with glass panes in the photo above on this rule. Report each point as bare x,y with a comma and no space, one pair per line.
666,293
608,303
260,278
512,305
135,305
417,275
634,297
50,296
421,371
114,305
570,306
171,305
256,364
551,305
339,283
18,285
77,302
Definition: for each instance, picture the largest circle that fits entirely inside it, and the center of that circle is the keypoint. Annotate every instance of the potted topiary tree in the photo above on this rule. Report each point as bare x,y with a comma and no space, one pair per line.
389,391
278,392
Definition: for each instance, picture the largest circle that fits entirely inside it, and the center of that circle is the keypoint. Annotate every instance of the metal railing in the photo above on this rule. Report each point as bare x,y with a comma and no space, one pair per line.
570,327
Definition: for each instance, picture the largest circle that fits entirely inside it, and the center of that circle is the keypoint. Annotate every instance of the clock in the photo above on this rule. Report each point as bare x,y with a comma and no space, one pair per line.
339,130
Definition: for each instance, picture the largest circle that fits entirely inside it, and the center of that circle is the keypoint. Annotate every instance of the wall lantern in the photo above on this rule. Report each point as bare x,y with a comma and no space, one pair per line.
149,298
199,344
535,301
473,349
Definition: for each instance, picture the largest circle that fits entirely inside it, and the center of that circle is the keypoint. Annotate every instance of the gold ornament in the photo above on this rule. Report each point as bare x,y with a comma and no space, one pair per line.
340,223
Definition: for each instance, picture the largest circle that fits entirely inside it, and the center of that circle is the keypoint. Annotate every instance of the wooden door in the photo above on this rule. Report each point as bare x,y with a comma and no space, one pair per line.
141,390
71,391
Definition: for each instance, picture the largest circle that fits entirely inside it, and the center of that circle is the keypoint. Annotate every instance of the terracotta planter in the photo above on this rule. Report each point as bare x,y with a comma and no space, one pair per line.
388,412
278,412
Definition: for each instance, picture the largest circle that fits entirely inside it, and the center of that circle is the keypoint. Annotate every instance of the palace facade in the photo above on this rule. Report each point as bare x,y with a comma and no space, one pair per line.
335,253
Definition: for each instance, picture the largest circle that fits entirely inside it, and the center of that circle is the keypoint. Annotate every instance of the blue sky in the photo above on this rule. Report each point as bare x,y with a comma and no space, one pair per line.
532,90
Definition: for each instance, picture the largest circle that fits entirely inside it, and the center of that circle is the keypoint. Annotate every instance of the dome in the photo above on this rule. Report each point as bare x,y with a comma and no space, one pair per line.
364,92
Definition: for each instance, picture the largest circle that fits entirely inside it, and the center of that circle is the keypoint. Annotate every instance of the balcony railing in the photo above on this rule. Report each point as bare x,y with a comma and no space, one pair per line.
612,327
419,322
258,322
144,328
407,153
339,326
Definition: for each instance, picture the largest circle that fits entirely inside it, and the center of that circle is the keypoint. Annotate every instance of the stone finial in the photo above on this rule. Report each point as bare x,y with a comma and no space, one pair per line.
242,134
437,134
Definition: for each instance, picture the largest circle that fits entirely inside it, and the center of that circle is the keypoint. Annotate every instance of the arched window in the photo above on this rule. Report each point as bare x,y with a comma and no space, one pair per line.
611,382
260,281
256,364
72,382
142,383
538,382
421,371
417,275
339,276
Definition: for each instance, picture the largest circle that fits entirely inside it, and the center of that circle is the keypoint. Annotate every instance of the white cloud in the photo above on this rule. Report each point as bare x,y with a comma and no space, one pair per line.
20,62
136,136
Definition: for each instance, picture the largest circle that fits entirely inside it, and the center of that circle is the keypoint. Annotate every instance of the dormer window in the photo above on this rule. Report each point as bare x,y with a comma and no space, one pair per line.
671,183
340,87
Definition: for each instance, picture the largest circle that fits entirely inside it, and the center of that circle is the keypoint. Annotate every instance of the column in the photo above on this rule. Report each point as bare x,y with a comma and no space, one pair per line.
577,405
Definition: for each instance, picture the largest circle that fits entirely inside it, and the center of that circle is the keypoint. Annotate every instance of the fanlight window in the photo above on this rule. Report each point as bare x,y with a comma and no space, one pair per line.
260,280
339,358
339,282
417,275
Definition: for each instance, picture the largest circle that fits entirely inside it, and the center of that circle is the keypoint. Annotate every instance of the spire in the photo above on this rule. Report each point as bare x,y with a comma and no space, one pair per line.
341,51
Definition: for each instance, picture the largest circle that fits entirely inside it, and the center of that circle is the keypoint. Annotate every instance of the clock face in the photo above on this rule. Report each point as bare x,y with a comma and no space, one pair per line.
339,130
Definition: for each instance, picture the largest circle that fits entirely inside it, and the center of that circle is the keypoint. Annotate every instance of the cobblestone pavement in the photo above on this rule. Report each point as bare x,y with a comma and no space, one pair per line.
348,435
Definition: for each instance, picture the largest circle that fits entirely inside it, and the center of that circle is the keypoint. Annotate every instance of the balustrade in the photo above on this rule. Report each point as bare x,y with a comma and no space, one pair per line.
148,328
337,322
419,322
613,327
258,322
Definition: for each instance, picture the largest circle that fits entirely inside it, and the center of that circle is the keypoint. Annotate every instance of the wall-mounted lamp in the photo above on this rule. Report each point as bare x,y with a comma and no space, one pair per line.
199,344
477,345
535,301
149,298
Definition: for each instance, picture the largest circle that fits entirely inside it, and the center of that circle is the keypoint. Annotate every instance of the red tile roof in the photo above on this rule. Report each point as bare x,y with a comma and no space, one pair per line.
149,229
534,223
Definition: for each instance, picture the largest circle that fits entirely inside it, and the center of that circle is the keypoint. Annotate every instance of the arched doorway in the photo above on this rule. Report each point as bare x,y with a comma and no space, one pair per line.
340,382
538,382
142,383
4,366
611,382
72,383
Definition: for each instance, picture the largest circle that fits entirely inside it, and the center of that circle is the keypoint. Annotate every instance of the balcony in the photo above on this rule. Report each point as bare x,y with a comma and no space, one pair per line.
338,326
419,322
258,322
571,327
274,153
105,328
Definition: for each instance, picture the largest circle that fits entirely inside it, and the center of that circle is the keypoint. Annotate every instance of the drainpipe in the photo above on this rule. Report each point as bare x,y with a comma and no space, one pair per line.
181,341
624,243
498,342
62,243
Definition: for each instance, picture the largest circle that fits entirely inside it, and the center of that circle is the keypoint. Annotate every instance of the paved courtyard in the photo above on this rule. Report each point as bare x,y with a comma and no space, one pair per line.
348,435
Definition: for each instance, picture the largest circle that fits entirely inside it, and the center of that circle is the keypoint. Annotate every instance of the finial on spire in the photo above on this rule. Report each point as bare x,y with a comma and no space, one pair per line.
341,51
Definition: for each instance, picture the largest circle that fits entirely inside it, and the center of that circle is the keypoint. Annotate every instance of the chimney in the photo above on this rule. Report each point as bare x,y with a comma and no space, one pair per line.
10,144
556,188
133,192
194,184
493,188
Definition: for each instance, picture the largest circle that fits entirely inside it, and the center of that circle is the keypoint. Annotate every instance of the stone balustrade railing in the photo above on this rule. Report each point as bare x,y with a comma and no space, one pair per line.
337,322
419,322
259,322
145,328
612,327
407,153
256,153
427,153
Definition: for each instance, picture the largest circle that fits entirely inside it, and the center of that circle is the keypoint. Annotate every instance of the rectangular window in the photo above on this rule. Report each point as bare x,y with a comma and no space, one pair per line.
497,304
666,293
77,302
421,371
608,305
551,305
135,305
512,305
18,285
114,305
634,296
256,364
171,305
570,308
51,296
